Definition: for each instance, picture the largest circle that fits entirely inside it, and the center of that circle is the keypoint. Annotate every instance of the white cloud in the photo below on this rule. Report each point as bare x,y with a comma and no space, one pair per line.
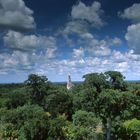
39,63
27,52
14,14
84,38
97,47
15,61
18,41
87,35
78,53
123,62
24,61
127,63
21,58
101,51
122,67
73,28
115,41
133,37
132,13
78,27
50,53
118,56
34,53
91,14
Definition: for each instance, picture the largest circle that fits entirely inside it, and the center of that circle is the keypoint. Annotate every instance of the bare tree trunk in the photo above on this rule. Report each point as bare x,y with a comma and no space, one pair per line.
108,130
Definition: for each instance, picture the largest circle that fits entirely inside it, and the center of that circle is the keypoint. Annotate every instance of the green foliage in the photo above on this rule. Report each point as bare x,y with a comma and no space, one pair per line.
12,99
85,126
15,100
118,106
85,119
102,107
4,102
35,80
10,88
114,102
135,88
84,99
96,80
8,131
79,133
59,103
56,128
132,126
116,80
29,121
38,86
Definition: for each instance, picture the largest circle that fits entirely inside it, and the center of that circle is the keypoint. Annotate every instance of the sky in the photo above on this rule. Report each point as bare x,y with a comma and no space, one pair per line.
57,38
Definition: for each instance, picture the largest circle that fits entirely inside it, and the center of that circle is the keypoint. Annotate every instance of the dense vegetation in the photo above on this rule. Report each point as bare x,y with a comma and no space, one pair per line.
103,107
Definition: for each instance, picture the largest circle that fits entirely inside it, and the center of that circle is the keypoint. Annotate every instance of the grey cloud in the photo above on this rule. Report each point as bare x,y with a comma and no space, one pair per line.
78,27
19,41
97,47
78,53
124,62
14,14
91,14
19,61
133,37
14,61
132,13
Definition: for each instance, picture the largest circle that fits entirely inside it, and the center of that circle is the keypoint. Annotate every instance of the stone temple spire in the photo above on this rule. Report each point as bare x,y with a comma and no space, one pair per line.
69,83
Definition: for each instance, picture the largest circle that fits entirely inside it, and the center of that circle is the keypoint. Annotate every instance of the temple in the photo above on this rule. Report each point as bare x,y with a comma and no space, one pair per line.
69,83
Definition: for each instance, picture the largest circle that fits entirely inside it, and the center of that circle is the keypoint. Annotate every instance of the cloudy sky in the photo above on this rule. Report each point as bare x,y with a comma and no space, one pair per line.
57,38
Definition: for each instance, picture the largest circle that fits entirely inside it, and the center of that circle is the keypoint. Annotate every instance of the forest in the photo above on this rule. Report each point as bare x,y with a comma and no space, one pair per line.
102,107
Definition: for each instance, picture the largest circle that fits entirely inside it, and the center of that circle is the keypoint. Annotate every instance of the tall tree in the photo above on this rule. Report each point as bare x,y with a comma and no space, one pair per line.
115,107
59,103
116,80
96,80
38,86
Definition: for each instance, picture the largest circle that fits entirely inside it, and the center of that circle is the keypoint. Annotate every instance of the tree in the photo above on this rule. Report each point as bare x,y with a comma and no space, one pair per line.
59,103
132,129
116,80
28,122
56,128
95,80
84,99
38,86
85,126
86,119
114,107
15,100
